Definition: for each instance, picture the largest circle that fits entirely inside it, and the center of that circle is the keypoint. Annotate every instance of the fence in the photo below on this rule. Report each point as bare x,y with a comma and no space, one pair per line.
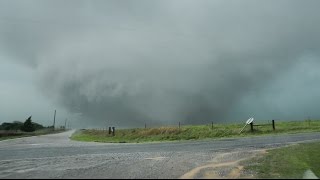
273,125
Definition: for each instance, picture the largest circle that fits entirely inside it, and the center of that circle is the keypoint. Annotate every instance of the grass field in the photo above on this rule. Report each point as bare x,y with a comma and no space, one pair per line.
288,162
12,134
138,135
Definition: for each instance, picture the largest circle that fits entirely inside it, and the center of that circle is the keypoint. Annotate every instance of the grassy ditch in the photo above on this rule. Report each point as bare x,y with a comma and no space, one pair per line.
288,162
18,134
138,135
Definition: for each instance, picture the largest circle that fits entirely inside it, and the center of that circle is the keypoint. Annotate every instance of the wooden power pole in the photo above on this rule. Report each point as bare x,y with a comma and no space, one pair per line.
54,118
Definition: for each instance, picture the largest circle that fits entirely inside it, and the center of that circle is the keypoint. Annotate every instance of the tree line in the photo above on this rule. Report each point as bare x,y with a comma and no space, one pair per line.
27,126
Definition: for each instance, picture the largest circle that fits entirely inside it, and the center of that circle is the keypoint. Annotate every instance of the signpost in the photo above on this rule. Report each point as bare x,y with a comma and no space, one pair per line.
249,121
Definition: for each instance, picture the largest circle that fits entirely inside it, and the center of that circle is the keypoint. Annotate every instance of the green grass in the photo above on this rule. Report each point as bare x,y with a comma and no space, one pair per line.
288,162
20,134
138,135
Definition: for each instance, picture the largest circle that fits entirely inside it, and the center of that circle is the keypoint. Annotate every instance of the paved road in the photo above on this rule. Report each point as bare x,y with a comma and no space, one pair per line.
55,156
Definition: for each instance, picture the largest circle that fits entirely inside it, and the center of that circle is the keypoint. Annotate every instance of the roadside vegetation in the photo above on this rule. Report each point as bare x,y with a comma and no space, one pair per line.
18,134
28,128
208,131
288,162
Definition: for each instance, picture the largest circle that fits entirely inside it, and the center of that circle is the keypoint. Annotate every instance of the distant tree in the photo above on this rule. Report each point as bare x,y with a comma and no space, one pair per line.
16,125
37,126
28,126
5,126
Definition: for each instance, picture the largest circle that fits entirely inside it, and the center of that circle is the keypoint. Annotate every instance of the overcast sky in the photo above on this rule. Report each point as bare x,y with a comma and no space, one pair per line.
126,63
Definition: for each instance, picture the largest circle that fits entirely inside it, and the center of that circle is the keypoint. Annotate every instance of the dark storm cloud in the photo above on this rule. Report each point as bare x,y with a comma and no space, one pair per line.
130,62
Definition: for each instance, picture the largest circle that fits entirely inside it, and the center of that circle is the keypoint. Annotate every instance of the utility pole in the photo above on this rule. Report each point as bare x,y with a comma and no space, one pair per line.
54,119
65,124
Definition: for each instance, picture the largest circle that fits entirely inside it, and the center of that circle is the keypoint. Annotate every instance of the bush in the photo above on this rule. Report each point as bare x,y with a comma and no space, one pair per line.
11,126
37,126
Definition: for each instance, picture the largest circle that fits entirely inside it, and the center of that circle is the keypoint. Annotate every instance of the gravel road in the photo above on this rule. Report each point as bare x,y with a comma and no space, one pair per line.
55,156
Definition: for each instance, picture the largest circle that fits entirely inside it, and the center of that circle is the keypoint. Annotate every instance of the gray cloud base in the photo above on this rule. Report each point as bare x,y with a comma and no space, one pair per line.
130,62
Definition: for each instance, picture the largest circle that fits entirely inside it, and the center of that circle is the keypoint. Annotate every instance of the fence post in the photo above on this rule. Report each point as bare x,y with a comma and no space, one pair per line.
109,130
273,125
251,124
113,131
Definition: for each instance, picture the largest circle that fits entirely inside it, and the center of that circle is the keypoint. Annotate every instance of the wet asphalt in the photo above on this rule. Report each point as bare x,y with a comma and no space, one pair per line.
56,156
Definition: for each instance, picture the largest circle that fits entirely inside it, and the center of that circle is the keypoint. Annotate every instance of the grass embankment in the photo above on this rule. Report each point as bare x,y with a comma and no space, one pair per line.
13,134
138,135
288,162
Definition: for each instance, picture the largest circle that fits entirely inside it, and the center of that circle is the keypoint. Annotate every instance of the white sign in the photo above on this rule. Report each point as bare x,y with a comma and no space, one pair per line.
250,120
